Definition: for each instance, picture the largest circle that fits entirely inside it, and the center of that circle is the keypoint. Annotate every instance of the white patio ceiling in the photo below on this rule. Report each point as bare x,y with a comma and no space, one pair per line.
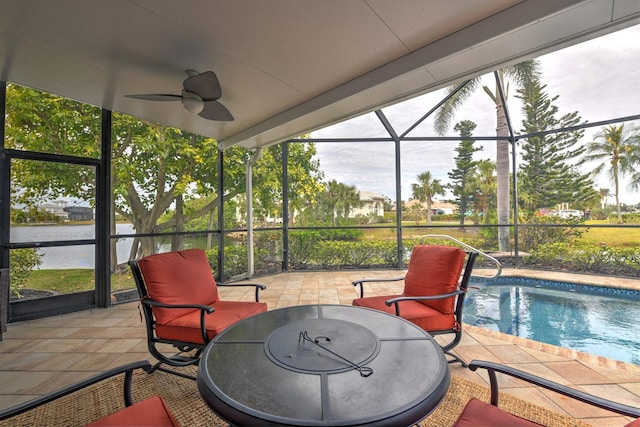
285,66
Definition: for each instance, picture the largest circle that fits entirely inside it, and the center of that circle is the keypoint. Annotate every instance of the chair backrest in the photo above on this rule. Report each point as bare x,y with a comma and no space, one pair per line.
434,270
182,277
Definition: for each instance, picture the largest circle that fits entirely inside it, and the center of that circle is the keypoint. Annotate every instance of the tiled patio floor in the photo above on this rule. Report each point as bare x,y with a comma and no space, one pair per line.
42,355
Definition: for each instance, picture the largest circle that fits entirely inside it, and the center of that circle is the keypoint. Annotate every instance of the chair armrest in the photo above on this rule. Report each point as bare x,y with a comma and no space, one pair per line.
127,370
397,300
154,303
492,368
361,281
259,287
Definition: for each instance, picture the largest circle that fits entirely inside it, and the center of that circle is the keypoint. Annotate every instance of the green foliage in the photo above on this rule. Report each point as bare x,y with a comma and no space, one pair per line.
547,175
535,231
592,258
42,122
21,265
301,246
600,214
341,234
340,254
617,153
33,215
156,170
627,218
336,201
463,173
484,185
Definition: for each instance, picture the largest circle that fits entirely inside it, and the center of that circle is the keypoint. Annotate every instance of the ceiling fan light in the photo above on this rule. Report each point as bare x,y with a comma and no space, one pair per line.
192,102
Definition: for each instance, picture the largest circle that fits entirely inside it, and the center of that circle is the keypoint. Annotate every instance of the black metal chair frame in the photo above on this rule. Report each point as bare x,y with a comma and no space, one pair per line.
459,305
188,352
492,368
127,370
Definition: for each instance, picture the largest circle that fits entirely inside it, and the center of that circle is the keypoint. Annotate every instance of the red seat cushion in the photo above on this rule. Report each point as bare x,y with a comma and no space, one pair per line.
434,270
478,413
182,277
422,315
187,327
634,423
149,412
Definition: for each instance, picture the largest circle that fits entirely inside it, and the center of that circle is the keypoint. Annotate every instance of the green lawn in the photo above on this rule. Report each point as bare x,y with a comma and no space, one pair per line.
613,237
74,280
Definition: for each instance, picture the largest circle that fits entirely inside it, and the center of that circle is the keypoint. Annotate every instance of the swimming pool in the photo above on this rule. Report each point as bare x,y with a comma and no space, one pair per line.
596,320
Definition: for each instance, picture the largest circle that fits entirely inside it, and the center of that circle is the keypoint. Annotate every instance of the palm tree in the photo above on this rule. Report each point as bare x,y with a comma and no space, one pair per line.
522,74
604,196
424,191
340,199
620,148
485,183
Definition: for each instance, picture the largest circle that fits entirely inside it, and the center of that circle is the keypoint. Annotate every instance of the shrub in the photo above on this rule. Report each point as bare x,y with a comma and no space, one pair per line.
21,264
541,233
591,258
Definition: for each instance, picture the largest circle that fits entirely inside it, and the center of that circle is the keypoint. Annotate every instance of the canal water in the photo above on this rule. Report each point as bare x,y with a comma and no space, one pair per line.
69,256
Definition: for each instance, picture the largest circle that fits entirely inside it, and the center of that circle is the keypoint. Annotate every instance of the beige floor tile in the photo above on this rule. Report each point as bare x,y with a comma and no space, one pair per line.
511,354
537,397
577,373
613,392
45,354
612,421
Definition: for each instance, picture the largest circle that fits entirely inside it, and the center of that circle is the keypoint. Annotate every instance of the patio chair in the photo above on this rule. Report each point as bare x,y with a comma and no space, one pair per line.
433,296
181,306
152,411
480,413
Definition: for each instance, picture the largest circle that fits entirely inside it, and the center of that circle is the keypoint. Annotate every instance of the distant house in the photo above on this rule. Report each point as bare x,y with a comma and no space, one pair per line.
60,209
79,213
372,205
57,208
437,207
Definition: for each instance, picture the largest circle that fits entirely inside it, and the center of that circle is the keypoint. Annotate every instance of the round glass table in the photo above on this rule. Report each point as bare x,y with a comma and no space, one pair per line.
323,365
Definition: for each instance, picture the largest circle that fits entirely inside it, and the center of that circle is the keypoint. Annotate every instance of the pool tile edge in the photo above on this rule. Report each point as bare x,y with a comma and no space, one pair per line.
568,353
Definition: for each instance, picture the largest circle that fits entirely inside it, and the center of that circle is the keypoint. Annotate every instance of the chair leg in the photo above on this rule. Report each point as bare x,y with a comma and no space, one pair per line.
456,359
176,360
172,371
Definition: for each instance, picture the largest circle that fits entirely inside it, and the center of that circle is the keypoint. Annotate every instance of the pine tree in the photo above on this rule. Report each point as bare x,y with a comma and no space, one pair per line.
549,172
461,175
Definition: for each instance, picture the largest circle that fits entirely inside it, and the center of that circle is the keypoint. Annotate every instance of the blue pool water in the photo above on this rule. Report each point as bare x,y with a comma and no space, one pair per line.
597,320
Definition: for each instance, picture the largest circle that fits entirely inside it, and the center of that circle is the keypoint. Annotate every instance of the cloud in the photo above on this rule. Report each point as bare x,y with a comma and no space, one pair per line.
600,79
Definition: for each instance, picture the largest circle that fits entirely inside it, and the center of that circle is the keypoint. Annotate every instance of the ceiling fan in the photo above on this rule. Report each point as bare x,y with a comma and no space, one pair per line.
200,94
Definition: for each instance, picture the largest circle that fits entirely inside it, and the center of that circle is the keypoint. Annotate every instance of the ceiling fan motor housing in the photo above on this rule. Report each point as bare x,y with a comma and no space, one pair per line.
192,102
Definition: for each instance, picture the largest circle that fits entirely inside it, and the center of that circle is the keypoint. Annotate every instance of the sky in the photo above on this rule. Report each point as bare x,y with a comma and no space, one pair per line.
600,79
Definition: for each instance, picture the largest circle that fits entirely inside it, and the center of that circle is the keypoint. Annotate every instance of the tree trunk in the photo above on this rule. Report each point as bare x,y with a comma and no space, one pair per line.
177,241
211,224
616,182
113,250
502,169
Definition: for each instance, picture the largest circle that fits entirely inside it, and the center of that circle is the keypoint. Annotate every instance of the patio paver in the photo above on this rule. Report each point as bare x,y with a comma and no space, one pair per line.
42,355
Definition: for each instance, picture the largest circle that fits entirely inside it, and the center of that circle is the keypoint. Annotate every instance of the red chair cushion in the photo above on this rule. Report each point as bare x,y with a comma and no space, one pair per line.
150,412
187,327
478,413
634,423
182,277
422,315
434,270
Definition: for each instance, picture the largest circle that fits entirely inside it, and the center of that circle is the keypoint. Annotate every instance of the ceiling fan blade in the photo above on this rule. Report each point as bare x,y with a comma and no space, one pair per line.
156,97
205,85
213,110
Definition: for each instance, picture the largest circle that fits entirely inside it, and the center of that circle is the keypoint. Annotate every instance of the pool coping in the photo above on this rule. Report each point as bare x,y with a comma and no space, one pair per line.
567,353
583,279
